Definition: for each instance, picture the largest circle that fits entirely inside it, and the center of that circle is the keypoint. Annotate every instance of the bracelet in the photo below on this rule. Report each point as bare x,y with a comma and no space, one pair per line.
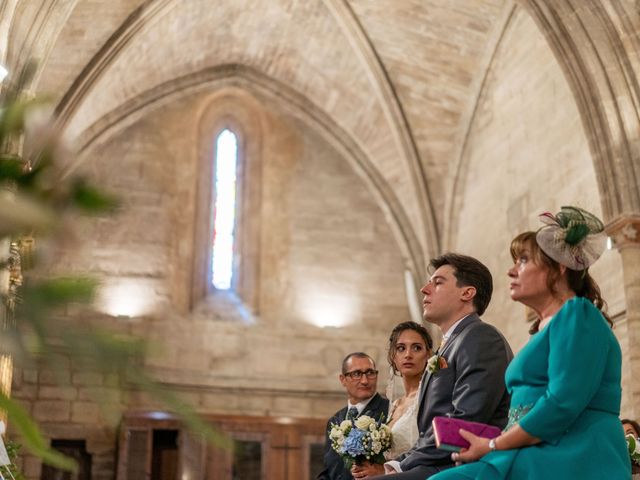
492,445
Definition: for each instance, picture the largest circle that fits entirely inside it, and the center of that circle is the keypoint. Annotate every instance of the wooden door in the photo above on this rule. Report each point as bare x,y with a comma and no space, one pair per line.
264,448
287,449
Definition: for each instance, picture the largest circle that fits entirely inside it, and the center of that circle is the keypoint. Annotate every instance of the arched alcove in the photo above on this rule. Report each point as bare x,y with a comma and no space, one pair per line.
526,153
238,111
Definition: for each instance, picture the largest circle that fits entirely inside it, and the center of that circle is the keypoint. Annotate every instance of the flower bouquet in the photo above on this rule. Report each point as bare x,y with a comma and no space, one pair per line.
359,440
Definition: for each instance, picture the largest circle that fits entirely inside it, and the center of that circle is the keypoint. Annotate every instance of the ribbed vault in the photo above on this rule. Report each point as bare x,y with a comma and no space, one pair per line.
400,79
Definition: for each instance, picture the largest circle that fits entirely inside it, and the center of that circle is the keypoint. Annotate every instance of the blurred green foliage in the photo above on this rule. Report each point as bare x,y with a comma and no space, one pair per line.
13,449
36,199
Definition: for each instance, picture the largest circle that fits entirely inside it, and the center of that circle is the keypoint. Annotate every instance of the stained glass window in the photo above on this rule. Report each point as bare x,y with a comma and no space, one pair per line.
224,209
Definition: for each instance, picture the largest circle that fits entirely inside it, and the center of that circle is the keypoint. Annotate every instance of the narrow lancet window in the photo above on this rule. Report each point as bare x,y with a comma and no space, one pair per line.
224,209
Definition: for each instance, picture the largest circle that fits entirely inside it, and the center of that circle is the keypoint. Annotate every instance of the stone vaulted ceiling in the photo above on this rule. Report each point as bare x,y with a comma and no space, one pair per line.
397,77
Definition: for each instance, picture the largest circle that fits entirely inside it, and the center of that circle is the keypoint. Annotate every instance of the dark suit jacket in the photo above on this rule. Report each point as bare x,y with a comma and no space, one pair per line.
471,387
333,464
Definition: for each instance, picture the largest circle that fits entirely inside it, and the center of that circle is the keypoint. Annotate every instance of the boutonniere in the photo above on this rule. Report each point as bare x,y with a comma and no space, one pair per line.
436,362
633,445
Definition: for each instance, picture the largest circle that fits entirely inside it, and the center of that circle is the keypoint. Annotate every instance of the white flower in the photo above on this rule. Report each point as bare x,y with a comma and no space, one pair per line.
360,439
431,363
363,422
436,362
336,434
633,445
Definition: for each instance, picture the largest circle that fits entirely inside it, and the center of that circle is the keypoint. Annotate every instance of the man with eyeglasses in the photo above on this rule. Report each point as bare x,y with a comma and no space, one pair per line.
359,377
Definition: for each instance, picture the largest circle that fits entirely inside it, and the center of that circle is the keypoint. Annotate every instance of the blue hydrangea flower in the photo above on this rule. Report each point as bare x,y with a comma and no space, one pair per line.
353,444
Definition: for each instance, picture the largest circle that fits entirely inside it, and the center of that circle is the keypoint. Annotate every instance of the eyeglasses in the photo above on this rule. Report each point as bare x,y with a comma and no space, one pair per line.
357,374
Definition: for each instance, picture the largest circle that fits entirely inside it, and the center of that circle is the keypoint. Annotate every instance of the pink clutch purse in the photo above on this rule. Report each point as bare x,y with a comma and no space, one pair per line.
448,438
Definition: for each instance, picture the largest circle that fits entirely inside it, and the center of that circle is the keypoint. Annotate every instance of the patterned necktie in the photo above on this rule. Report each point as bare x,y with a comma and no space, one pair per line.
352,413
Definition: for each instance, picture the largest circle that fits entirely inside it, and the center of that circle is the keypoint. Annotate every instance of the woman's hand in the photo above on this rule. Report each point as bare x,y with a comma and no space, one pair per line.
366,470
515,437
478,448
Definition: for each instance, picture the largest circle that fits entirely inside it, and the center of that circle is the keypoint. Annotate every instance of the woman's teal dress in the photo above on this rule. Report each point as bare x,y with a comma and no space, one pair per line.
565,390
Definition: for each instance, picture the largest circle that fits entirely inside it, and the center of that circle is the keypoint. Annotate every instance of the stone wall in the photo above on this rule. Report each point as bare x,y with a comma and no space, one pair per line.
325,255
324,246
71,404
527,153
315,241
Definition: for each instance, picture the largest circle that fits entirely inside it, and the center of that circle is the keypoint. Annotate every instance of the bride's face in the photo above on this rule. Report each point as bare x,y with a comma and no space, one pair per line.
411,354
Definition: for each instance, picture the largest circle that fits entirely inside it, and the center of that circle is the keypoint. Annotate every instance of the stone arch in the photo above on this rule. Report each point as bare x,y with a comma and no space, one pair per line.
605,88
283,97
454,198
388,97
140,18
588,41
33,40
595,47
424,224
591,53
236,110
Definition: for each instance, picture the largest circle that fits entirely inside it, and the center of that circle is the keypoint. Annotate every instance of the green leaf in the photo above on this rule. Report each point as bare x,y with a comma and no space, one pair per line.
187,414
31,436
13,115
13,450
60,291
91,199
39,202
11,167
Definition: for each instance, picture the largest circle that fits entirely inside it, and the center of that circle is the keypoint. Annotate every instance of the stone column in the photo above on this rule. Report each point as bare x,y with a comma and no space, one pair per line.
625,233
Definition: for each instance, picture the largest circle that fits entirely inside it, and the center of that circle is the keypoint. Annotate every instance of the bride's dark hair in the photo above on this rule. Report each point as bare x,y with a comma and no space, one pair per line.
395,333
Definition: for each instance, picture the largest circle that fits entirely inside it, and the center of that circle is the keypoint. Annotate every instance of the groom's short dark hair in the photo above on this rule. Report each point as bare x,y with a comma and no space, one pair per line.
357,355
469,272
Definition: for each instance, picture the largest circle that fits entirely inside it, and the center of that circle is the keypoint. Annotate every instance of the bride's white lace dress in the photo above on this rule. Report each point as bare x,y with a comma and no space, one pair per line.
404,430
